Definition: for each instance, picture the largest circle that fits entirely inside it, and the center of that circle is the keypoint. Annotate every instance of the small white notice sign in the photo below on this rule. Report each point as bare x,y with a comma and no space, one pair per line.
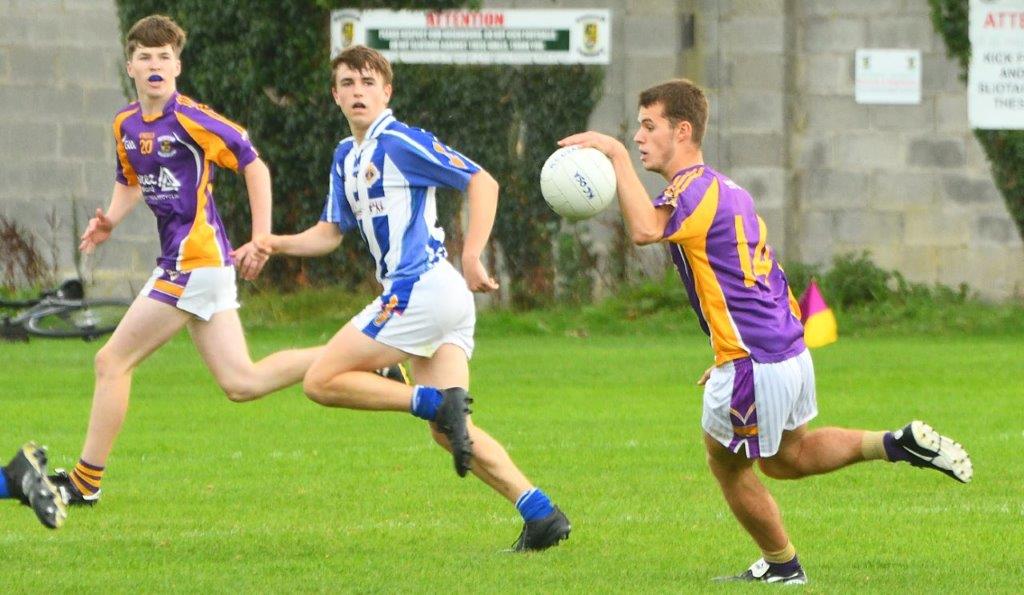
995,83
887,77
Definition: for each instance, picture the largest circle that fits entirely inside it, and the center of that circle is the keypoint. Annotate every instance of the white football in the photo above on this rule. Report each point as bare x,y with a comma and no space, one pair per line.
577,182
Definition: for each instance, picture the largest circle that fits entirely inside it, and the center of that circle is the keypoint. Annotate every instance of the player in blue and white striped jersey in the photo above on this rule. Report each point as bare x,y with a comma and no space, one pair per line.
383,184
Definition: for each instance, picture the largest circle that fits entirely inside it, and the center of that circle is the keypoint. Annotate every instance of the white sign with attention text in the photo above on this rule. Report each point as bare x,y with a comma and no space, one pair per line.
490,36
995,82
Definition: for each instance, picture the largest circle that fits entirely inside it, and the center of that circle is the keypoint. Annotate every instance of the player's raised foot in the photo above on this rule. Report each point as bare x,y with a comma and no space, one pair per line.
451,421
924,447
70,494
763,572
27,472
396,372
543,533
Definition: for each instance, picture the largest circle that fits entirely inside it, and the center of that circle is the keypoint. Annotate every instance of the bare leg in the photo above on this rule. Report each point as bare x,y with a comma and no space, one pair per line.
340,378
749,500
221,343
146,326
802,452
448,368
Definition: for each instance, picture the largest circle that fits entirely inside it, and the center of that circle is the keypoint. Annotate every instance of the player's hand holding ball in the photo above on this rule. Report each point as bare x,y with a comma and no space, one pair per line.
578,180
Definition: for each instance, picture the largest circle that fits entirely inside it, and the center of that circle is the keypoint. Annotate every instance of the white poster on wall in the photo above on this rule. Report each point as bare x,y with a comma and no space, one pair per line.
995,81
490,36
887,77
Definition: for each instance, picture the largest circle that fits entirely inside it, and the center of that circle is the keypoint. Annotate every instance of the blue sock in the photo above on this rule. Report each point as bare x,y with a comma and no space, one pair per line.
4,492
534,504
425,401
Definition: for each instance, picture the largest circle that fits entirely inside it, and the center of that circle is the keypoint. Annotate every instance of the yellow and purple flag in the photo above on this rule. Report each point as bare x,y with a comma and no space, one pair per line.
820,327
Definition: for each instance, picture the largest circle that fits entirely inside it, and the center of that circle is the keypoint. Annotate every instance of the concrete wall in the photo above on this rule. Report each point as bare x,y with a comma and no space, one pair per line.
59,89
908,183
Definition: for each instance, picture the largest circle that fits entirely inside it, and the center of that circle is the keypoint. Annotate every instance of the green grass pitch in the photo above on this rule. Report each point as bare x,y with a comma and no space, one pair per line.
281,495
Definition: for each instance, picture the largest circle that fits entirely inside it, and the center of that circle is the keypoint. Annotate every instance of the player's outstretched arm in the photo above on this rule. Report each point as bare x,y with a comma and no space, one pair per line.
646,224
122,200
483,204
257,185
250,259
318,240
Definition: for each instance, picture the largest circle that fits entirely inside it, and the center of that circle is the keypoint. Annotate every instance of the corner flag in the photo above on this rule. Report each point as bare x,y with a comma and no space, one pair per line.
820,327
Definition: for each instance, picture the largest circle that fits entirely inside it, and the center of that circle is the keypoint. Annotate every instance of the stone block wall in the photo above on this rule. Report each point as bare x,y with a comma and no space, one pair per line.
59,89
910,184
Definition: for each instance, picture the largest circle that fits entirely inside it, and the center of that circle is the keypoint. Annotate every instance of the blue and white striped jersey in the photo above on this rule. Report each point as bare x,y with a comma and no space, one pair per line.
386,189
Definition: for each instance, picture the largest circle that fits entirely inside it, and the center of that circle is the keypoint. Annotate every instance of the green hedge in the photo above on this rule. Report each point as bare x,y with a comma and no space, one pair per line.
1004,148
266,65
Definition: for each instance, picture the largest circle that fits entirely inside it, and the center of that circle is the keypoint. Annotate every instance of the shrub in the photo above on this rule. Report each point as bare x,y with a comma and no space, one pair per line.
266,65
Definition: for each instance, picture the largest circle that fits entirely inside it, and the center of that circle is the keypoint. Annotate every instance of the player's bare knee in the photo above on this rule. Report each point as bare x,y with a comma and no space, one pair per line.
316,387
313,389
107,365
238,395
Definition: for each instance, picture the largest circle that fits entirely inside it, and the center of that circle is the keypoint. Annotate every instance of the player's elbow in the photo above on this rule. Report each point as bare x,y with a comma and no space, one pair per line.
643,237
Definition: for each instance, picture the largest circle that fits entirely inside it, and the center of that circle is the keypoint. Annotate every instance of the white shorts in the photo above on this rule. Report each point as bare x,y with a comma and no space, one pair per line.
748,405
202,292
421,314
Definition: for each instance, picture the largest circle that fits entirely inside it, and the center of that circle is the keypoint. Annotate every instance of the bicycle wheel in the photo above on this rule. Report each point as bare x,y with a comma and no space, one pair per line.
87,319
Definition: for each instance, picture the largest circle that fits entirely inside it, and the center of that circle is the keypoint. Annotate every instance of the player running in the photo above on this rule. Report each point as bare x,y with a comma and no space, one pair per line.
168,149
760,392
383,181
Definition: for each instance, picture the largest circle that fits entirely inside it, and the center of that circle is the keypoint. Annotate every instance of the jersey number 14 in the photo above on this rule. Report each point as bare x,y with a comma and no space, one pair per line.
761,264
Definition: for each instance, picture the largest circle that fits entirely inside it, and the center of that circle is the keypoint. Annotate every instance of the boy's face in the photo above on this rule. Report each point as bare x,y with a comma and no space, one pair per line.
154,71
362,96
657,138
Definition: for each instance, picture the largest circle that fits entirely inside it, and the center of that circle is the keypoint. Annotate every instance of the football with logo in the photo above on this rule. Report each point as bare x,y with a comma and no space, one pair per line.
577,182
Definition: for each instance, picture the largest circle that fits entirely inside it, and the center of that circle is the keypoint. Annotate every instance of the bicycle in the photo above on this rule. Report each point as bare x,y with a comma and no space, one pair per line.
63,312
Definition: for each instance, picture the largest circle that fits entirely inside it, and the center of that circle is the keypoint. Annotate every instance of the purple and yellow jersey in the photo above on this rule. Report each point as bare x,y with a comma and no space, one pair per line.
172,157
738,290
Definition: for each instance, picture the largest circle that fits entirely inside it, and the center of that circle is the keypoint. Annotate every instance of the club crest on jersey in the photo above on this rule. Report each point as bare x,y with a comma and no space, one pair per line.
371,175
386,311
167,148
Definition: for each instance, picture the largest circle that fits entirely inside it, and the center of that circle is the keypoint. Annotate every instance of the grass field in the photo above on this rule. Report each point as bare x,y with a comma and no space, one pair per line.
281,495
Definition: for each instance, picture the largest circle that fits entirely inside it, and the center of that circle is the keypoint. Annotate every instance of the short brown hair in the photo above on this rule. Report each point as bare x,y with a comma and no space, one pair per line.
361,59
683,101
152,32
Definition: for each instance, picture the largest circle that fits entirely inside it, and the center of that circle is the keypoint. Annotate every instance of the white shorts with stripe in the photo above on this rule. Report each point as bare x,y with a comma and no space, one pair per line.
202,292
748,405
418,315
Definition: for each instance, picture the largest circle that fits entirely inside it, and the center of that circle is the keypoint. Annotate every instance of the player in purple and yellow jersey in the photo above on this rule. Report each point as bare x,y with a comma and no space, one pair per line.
168,149
760,392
